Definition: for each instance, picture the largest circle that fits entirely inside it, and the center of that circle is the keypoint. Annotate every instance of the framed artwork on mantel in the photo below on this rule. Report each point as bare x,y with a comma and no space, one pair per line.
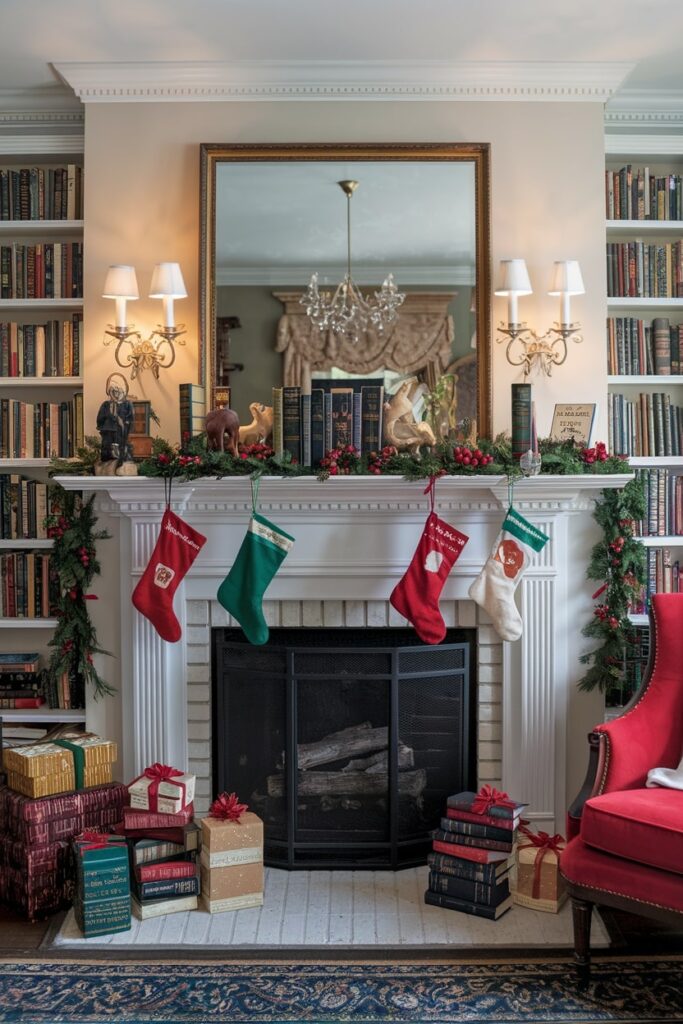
409,221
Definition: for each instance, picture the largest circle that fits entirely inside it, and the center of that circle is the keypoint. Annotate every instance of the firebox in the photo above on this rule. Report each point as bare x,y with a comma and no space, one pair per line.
345,741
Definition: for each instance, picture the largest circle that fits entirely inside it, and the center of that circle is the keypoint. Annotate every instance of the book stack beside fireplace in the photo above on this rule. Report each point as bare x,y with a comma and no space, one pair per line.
472,853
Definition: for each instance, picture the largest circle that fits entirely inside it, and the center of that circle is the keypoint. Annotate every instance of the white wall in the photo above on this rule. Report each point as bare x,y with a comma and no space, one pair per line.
142,206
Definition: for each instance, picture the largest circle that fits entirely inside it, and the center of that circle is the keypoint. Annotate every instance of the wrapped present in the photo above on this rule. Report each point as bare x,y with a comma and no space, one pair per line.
102,897
45,769
60,817
35,880
232,857
538,883
162,789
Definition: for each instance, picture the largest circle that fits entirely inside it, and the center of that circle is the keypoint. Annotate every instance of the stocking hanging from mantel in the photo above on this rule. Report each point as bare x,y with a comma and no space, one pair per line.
177,546
261,554
416,597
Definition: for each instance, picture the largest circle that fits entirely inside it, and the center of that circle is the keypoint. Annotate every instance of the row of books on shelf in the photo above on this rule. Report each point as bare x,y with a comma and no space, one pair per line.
663,503
663,577
638,270
52,349
39,430
46,270
23,508
640,194
636,346
28,587
649,425
26,684
308,425
41,193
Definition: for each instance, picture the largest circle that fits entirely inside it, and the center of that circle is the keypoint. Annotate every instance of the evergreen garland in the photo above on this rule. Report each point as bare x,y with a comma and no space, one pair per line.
618,562
74,560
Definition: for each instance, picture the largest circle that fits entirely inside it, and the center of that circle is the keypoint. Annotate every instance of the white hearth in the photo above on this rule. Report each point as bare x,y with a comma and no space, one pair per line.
354,539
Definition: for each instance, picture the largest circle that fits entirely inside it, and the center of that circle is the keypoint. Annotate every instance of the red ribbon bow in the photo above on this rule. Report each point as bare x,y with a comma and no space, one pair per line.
158,772
488,797
227,807
90,840
544,843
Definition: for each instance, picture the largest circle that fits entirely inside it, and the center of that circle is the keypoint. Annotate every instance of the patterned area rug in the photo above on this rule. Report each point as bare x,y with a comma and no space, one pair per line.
66,992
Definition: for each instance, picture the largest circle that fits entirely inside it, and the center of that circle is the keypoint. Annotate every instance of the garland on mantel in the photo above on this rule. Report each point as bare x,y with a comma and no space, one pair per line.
618,562
74,561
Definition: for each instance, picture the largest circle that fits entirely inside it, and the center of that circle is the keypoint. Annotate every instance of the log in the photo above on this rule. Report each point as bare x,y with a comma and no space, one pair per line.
329,784
340,745
379,762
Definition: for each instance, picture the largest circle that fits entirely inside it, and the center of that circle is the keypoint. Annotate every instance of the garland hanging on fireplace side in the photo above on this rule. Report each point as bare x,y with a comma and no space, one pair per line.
74,562
618,562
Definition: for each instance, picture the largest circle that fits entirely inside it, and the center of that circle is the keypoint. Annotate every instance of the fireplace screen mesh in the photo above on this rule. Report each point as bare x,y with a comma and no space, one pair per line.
346,742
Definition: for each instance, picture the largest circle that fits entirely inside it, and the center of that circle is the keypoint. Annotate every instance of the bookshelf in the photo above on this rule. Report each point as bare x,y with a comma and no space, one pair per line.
24,316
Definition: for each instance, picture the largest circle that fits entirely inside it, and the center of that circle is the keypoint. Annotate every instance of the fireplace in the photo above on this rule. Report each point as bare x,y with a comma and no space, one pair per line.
345,741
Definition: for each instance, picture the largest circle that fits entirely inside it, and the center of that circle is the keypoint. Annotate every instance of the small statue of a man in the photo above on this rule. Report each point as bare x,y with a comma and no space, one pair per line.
114,420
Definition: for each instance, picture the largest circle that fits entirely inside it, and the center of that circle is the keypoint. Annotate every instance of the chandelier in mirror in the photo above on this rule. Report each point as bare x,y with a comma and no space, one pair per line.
348,312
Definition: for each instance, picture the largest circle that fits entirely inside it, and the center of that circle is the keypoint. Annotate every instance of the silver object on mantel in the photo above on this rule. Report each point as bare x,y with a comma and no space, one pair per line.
530,463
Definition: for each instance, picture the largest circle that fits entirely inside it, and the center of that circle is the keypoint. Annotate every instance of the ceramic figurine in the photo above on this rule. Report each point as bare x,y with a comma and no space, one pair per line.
222,430
400,427
261,426
114,420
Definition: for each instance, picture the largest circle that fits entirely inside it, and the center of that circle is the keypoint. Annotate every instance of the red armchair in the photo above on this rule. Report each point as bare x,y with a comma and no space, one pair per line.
626,841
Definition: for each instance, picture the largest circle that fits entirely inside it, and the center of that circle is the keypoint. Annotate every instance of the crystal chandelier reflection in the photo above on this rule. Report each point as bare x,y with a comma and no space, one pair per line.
348,312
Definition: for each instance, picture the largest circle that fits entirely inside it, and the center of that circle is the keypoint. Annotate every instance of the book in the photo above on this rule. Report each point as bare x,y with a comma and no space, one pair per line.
464,801
521,419
134,818
572,421
22,662
188,837
157,908
661,330
192,410
456,814
465,889
458,840
317,426
167,869
21,702
278,425
149,851
473,853
372,404
437,899
168,888
342,416
291,421
471,828
306,430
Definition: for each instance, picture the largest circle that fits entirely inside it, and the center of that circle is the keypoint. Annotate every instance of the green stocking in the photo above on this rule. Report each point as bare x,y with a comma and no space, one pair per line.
241,593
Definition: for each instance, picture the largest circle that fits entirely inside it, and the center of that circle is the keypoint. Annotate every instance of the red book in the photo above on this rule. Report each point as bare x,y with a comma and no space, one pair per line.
135,819
474,853
480,819
169,869
21,702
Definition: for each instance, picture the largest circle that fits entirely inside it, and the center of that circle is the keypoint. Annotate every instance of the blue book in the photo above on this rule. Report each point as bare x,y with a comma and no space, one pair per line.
317,425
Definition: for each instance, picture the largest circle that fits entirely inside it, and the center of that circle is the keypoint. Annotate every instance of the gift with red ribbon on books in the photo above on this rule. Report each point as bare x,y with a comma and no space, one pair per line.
539,884
162,788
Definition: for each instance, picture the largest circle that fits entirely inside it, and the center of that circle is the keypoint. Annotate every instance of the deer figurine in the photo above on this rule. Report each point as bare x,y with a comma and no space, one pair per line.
400,427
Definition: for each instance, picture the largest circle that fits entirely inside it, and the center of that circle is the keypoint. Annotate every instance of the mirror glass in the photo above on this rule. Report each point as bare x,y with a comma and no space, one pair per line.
272,216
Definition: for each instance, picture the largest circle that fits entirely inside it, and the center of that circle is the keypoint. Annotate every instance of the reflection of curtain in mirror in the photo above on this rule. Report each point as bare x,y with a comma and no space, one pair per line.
419,341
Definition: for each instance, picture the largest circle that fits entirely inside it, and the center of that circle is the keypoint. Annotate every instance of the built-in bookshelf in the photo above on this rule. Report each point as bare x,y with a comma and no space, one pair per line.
41,377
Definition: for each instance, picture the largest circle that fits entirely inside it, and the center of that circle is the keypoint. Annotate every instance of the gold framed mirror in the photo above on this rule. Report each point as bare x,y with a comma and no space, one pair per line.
273,215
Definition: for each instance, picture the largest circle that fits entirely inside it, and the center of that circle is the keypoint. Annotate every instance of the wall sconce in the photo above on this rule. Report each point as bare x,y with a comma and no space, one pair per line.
542,350
158,350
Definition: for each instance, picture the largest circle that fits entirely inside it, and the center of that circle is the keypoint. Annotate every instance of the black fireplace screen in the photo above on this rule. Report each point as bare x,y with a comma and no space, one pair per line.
345,741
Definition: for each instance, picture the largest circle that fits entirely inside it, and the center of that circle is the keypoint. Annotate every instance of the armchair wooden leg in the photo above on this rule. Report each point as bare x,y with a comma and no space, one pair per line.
582,911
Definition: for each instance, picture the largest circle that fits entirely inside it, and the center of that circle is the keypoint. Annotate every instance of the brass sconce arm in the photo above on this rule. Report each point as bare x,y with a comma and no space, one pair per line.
136,353
540,350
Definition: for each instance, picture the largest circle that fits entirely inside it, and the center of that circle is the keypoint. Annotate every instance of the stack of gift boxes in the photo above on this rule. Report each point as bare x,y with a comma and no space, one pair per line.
472,853
102,896
232,856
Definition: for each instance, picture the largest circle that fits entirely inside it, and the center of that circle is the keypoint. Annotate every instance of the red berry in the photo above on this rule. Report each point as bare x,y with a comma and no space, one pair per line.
477,453
474,461
466,459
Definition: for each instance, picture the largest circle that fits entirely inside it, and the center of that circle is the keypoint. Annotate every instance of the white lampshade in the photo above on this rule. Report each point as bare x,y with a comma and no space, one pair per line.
513,278
167,282
566,278
120,283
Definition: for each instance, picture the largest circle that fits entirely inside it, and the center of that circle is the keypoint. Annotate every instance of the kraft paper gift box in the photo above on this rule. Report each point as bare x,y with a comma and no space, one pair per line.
163,789
46,769
232,863
539,884
102,902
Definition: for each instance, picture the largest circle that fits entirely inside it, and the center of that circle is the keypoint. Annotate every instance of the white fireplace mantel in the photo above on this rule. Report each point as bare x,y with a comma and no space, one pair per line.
355,537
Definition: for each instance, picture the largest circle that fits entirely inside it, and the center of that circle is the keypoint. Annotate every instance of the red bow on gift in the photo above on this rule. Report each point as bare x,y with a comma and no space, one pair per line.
544,843
95,841
488,797
228,808
159,773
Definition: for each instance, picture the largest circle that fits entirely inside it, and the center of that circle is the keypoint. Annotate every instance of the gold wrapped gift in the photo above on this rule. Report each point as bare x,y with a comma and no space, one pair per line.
59,782
53,758
232,863
539,884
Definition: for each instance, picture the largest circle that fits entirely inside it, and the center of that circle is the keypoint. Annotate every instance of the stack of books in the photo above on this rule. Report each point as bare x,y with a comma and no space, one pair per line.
21,684
164,864
471,856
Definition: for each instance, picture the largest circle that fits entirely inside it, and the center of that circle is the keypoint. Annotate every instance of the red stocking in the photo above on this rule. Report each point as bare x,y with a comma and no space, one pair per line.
416,597
177,546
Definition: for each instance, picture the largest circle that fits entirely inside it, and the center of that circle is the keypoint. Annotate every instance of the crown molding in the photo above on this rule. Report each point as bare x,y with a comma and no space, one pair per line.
174,81
26,132
643,144
40,99
645,108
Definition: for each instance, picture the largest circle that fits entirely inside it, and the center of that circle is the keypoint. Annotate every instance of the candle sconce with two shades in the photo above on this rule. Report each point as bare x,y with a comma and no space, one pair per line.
525,346
132,350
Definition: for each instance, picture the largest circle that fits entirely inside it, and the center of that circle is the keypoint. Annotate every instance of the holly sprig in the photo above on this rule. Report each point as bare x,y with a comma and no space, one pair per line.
618,562
72,527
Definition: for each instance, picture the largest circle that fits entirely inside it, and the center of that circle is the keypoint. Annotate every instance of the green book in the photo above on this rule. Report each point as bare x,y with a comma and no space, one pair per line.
521,419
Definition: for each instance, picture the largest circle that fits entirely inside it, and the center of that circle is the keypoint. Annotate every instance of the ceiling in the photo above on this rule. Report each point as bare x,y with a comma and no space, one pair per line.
36,33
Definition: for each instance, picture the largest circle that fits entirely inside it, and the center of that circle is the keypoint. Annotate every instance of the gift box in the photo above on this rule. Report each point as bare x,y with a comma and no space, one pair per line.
45,769
162,789
538,883
35,880
231,862
60,817
102,897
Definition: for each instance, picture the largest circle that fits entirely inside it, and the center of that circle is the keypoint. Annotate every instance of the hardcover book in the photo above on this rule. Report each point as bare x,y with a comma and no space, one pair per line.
475,830
478,842
437,899
158,908
521,419
473,853
465,889
464,801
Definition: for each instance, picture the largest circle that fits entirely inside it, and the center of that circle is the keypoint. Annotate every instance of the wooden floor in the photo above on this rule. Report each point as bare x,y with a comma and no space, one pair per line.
16,933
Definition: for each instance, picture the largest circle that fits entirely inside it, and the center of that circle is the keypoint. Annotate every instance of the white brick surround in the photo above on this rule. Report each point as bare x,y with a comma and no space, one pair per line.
355,537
